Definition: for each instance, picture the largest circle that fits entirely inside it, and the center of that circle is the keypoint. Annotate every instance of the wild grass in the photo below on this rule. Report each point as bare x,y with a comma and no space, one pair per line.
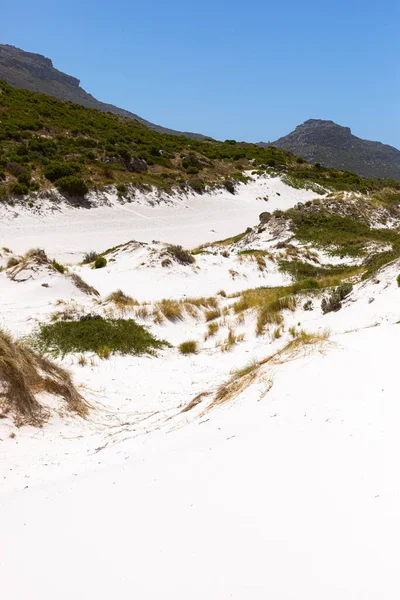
188,347
212,314
121,300
83,286
244,377
302,270
122,336
170,309
231,340
25,374
212,329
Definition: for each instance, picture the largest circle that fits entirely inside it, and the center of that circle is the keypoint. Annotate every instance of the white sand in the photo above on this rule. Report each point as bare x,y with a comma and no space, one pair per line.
286,492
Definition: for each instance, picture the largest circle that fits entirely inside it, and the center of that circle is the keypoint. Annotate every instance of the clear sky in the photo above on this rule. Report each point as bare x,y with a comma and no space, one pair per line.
245,70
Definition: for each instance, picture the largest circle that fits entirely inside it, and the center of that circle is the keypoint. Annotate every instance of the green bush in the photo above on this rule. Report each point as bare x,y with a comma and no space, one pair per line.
34,186
100,262
57,171
122,188
19,189
398,280
72,185
93,335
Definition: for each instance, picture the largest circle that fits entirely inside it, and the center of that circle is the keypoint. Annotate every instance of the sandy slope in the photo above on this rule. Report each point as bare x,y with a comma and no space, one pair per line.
288,491
294,496
188,220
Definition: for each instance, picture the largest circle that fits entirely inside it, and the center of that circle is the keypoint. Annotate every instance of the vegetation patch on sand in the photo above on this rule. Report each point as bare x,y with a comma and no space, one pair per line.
95,334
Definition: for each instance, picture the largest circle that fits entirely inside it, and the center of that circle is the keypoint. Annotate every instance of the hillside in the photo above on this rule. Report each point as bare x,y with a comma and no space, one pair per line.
48,143
335,146
31,71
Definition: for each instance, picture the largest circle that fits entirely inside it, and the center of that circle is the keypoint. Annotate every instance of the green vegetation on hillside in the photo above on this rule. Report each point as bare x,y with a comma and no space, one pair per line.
45,142
348,236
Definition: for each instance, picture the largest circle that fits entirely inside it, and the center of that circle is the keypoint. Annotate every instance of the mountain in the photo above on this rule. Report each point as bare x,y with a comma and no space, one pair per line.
335,146
36,73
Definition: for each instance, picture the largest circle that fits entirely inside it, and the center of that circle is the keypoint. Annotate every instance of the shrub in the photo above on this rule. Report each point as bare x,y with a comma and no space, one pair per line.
189,347
398,280
229,185
34,186
122,188
100,262
334,301
308,305
94,335
72,185
56,171
181,255
19,189
89,257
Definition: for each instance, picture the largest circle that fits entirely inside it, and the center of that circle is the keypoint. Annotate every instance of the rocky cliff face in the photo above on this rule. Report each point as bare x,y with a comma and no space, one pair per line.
335,146
36,73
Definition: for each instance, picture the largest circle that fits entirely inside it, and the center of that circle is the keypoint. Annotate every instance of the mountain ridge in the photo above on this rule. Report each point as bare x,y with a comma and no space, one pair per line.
332,145
35,72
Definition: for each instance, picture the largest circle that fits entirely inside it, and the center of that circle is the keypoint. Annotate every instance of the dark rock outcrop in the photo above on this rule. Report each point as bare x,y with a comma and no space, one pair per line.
335,146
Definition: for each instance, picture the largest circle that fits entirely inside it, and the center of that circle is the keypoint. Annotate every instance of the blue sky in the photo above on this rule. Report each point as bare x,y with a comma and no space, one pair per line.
250,71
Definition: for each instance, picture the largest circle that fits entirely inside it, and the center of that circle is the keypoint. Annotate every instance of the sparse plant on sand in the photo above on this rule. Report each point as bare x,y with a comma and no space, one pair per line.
182,256
89,257
334,300
171,309
12,262
122,300
100,262
189,347
212,314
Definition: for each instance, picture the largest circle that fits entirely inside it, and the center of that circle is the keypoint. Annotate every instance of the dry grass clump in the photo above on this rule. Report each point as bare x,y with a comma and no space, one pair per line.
231,340
25,374
89,257
238,382
83,286
38,254
196,400
212,329
242,378
170,309
189,347
142,312
212,314
121,300
203,302
12,262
